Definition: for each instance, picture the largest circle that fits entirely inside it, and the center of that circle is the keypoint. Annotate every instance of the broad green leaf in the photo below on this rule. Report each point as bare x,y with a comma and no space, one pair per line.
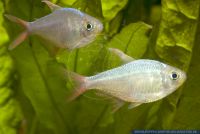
66,2
10,113
175,42
187,114
32,65
177,32
91,7
140,10
112,7
132,39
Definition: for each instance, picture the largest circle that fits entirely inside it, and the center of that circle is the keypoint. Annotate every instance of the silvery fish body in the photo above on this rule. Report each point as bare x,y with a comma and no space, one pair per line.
139,81
65,28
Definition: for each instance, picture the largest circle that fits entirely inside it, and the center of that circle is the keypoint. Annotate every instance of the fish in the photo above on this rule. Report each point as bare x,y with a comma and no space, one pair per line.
66,28
136,81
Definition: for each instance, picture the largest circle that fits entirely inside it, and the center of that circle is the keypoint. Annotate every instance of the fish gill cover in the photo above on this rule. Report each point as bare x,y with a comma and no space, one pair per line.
33,95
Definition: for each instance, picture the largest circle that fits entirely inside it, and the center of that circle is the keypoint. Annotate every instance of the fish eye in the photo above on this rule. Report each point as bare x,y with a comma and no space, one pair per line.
89,26
174,76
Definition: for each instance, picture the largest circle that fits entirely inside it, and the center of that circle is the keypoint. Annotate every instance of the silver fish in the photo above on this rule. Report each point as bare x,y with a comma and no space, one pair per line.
65,28
137,82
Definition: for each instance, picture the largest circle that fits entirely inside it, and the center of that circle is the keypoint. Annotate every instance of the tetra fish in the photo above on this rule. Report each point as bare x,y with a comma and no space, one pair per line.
137,81
65,28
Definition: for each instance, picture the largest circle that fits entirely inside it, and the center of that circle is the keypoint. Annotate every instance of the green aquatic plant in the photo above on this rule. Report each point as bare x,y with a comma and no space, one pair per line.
33,94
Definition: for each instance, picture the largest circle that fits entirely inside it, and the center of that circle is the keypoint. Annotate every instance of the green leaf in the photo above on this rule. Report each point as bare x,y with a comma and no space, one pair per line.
112,7
174,44
132,39
32,65
174,29
42,92
91,7
10,113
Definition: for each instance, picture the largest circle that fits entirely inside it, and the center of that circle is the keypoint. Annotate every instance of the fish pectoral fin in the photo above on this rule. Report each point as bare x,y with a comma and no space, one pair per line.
52,6
125,58
134,104
117,104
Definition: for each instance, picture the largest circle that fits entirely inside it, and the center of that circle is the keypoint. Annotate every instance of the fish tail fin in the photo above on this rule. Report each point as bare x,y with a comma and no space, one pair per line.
79,85
23,35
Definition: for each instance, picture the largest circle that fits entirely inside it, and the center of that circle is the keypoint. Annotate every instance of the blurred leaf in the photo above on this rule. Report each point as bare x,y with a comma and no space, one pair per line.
187,114
173,37
32,65
133,39
175,42
91,7
112,7
114,25
10,113
66,2
139,10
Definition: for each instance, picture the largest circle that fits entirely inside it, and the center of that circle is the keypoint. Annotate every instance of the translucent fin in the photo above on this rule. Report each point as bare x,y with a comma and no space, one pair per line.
23,127
51,48
79,82
117,105
134,104
125,58
52,6
23,35
103,95
18,40
17,20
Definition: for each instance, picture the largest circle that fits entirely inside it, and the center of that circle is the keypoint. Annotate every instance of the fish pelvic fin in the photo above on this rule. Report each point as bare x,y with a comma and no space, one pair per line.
23,35
125,58
79,85
52,6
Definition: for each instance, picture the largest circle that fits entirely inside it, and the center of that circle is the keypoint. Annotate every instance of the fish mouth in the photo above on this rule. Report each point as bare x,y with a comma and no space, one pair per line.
184,77
100,27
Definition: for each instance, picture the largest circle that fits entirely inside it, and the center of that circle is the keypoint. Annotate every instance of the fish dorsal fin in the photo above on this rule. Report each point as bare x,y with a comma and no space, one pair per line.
125,58
52,6
134,104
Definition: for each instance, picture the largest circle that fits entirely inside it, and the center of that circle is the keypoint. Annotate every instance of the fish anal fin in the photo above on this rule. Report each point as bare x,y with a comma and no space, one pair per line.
53,50
52,6
117,104
134,104
125,58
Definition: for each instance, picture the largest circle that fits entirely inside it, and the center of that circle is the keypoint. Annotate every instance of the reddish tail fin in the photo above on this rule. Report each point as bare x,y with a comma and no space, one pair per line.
23,35
80,85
